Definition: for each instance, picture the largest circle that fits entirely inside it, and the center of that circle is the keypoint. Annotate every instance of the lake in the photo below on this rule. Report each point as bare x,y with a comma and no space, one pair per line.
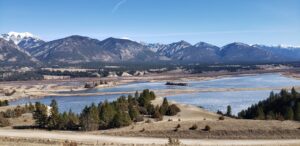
212,101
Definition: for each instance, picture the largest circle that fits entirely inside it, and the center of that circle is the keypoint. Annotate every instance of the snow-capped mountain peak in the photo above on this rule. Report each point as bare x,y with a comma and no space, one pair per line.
25,40
21,34
17,37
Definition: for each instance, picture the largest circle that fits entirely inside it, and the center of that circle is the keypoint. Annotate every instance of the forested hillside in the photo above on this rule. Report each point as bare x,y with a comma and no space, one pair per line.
281,106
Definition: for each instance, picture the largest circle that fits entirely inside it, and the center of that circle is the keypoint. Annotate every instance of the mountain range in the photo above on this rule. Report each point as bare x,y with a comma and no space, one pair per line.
25,48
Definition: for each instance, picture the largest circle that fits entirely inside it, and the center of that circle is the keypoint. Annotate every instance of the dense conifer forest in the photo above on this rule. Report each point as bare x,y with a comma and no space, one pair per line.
280,106
105,115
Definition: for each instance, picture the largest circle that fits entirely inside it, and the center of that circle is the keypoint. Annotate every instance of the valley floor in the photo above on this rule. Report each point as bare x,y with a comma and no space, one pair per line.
39,89
230,132
223,132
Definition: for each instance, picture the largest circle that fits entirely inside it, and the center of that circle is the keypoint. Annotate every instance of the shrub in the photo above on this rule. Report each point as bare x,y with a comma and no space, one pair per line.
219,112
143,110
172,110
4,122
14,113
87,85
148,121
221,118
194,127
157,115
67,143
207,128
178,126
173,141
139,118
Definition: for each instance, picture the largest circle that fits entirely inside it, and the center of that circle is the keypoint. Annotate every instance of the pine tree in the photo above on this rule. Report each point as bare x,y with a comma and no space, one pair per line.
106,114
228,113
63,121
54,116
133,113
121,119
164,107
260,114
31,107
144,98
136,95
152,95
89,118
289,114
270,115
294,92
73,121
157,114
150,109
297,111
40,115
283,93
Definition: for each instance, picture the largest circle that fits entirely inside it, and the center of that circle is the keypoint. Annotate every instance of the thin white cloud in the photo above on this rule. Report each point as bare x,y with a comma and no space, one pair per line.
117,6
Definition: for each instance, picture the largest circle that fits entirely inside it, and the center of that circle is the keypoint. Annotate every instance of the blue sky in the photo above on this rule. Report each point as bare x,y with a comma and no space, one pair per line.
218,22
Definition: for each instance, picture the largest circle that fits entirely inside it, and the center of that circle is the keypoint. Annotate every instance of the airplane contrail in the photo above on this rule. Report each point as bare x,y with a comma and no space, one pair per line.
116,7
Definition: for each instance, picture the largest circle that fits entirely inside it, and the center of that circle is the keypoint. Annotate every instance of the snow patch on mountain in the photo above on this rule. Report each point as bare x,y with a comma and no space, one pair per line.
17,37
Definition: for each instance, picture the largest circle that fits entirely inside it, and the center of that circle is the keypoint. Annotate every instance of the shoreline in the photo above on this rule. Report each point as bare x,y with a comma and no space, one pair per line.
224,132
27,90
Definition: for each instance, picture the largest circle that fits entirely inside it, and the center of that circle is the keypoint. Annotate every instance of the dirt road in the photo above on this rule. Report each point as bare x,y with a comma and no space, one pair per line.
86,137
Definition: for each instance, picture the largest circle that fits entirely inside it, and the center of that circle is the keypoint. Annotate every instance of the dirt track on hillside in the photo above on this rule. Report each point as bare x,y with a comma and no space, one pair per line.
100,139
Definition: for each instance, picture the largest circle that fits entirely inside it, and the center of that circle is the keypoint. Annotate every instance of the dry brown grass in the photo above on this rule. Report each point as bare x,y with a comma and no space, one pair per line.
227,129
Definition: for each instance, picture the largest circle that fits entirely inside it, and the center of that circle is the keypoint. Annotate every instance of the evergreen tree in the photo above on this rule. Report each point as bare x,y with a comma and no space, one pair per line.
133,113
121,119
228,113
89,118
164,107
122,103
150,109
106,114
73,121
270,115
40,115
283,93
136,95
294,92
63,121
31,107
157,114
297,111
152,95
260,114
289,114
54,116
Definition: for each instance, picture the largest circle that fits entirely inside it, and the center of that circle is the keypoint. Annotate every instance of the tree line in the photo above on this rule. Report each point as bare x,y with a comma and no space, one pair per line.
105,115
281,106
